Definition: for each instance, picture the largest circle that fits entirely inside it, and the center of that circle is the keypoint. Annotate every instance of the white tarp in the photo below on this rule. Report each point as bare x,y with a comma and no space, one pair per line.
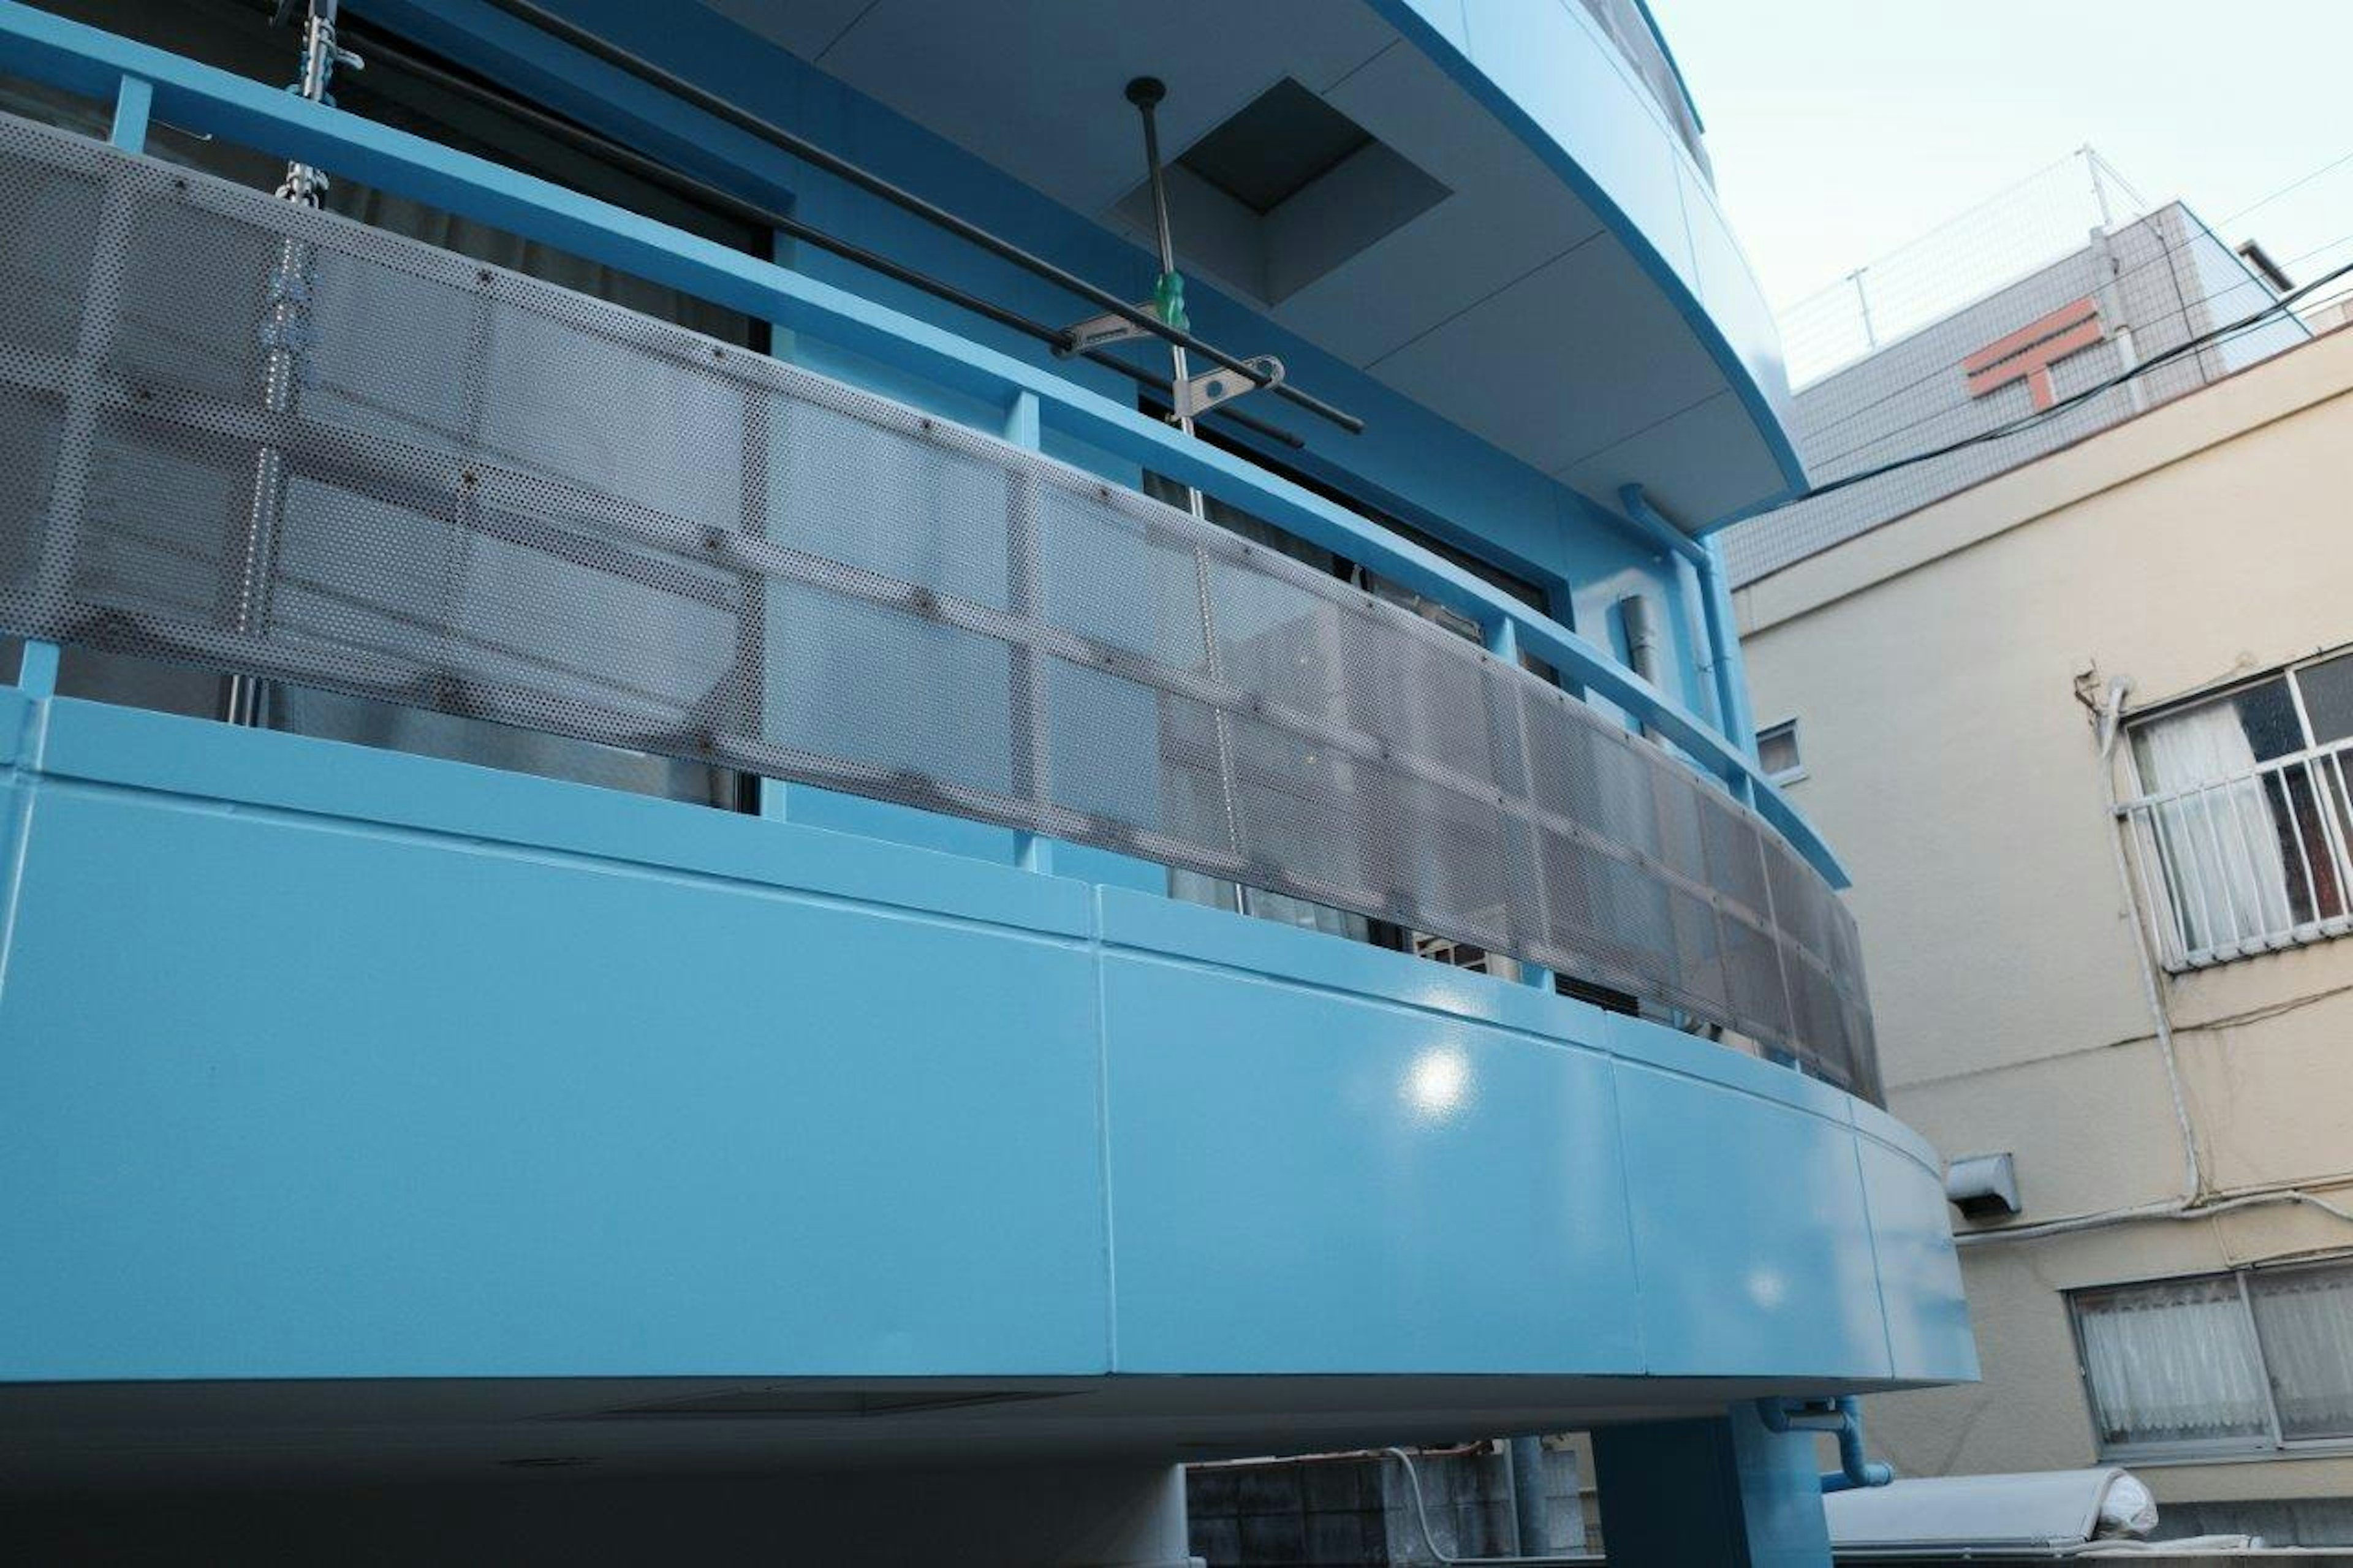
2042,1508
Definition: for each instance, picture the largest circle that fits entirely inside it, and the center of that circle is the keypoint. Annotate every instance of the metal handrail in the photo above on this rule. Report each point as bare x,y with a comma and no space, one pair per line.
2252,862
93,62
602,48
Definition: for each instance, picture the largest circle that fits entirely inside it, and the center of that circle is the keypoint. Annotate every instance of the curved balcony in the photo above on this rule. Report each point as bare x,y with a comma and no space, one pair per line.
342,1063
778,1102
493,498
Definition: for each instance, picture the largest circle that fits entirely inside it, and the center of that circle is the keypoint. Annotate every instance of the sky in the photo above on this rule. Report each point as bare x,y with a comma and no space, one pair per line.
1841,129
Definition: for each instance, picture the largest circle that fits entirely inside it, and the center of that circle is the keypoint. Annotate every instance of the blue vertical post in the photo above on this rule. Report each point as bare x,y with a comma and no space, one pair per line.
1032,851
1723,1490
134,100
1729,679
1502,640
1707,694
1724,638
775,794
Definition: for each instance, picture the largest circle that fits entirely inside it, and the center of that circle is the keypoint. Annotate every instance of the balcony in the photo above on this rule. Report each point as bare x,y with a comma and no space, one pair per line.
605,528
340,1063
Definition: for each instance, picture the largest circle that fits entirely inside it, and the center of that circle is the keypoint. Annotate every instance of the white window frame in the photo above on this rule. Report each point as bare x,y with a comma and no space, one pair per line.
2275,1444
2166,890
1790,774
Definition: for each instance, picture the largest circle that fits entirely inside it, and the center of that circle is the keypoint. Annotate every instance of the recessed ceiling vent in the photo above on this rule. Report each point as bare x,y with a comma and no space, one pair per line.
1282,192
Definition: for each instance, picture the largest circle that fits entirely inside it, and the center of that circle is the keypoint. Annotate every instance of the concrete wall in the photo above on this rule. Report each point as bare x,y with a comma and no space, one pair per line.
1933,666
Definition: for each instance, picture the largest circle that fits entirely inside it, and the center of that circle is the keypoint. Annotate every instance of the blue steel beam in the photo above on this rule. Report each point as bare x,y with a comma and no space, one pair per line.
92,61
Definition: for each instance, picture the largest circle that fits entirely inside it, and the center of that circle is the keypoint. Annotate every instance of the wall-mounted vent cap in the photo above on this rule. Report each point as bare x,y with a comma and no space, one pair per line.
1984,1186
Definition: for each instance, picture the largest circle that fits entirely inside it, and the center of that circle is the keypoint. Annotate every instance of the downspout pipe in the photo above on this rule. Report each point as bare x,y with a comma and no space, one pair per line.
1704,561
1843,1418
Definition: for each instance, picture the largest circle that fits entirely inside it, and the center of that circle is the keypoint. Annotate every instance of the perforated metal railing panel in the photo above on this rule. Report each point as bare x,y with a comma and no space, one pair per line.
262,439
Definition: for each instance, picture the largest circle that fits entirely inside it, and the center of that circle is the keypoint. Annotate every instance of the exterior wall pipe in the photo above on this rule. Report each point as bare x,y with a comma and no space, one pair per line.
1854,1471
1843,1418
1724,642
1728,678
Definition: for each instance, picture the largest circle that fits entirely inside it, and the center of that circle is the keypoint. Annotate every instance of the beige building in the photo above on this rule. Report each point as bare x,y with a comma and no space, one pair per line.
1981,690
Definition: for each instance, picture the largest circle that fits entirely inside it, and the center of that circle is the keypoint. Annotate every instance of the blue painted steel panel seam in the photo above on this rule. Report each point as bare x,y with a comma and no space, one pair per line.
1871,1236
1167,930
28,744
1633,1241
328,781
528,853
1251,976
1913,1148
1103,1136
545,855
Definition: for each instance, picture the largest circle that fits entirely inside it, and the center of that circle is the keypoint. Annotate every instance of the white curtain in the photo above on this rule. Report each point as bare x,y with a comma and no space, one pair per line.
2304,1319
2173,1364
2220,841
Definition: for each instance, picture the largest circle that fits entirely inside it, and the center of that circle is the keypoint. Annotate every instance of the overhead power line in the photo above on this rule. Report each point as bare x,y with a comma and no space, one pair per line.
2041,416
2165,253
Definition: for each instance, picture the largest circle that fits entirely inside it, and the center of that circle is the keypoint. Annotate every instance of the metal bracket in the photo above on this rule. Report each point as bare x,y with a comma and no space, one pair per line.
1199,395
1097,331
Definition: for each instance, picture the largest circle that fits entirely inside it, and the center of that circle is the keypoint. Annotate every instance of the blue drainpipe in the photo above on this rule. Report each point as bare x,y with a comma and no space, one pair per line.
1700,564
1843,1415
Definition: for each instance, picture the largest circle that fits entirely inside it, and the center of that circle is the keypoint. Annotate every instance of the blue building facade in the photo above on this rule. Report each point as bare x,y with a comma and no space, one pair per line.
646,836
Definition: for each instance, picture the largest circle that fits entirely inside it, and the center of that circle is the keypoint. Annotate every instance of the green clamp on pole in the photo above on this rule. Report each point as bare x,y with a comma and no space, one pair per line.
1168,301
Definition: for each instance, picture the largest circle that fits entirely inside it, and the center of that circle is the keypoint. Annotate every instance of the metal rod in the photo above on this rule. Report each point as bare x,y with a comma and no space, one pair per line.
874,185
655,171
1145,92
284,326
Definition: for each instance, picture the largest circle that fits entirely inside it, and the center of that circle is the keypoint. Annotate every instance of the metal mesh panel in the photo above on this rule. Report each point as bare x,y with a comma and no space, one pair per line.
247,436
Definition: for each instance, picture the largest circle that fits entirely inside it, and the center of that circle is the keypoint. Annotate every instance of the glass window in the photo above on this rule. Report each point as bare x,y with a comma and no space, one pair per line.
2173,1364
2327,689
2303,1318
2252,1360
2219,740
1777,754
2242,834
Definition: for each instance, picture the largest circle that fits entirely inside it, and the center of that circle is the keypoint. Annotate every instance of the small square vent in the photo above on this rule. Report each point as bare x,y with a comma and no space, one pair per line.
1282,192
1282,142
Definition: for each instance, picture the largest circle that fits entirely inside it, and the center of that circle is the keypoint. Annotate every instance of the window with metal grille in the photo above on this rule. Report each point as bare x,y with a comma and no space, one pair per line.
2241,820
2257,1359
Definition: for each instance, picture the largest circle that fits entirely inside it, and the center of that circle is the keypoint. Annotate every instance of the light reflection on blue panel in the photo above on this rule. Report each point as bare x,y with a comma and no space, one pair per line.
1919,1272
1744,1221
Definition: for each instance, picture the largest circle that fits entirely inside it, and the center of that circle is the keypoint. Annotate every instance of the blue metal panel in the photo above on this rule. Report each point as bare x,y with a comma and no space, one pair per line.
1542,68
1743,1231
289,1095
325,1060
1303,1179
1919,1273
